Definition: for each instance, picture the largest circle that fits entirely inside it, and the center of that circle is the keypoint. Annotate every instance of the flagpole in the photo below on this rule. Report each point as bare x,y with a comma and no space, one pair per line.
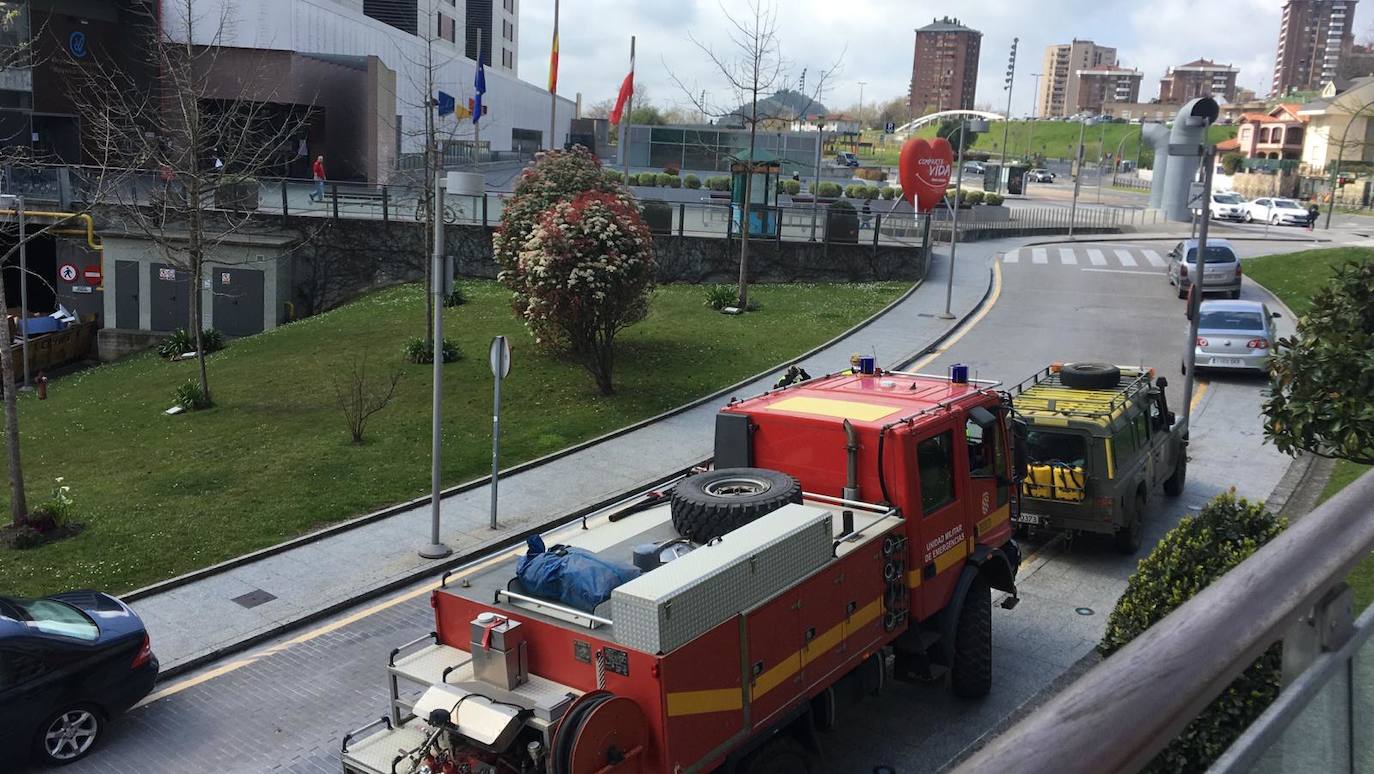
553,81
477,119
625,119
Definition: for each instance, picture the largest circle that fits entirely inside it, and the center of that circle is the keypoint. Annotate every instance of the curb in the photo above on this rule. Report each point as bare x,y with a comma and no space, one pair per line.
481,552
304,540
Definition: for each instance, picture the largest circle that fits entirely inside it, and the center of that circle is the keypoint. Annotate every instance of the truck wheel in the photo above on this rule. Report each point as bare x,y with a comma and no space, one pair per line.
710,504
783,755
1130,537
1173,485
971,670
1093,376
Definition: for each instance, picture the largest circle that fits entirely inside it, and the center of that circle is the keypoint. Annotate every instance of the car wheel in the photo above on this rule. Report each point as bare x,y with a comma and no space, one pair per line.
1130,537
1274,220
1090,376
1182,291
710,504
1233,295
1173,485
1249,218
69,735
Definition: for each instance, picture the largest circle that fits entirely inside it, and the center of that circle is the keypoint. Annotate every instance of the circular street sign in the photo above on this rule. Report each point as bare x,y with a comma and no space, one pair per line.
500,357
93,274
67,272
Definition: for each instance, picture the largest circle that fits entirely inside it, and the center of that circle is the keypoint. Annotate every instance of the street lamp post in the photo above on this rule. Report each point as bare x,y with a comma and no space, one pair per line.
1006,123
816,181
1101,149
436,548
976,127
1078,174
860,117
1116,160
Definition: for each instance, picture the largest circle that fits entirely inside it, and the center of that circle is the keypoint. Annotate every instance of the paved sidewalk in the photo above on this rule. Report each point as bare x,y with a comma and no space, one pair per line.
196,621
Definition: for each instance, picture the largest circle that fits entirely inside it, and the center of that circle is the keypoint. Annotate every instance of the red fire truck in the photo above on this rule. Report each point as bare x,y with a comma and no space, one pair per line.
852,528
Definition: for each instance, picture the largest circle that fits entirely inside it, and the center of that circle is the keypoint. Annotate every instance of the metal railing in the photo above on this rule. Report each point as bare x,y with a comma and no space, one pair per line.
1119,715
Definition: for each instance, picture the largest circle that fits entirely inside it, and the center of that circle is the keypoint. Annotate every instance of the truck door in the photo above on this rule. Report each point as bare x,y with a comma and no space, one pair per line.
940,475
986,504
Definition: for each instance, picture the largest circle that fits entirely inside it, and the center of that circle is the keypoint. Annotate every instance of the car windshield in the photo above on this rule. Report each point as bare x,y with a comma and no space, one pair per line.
52,617
1227,199
1231,320
1287,204
1045,447
1215,254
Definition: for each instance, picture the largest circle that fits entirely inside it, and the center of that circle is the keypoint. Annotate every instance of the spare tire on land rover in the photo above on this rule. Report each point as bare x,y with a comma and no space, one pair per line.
1089,376
710,504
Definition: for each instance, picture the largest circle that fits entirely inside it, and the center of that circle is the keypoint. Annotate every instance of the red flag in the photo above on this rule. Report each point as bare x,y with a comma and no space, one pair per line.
627,87
553,64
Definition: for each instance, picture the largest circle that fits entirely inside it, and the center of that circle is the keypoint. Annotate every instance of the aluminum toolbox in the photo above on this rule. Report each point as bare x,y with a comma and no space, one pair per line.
678,602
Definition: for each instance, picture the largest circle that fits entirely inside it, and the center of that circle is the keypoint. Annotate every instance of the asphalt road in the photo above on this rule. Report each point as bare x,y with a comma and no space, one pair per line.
285,706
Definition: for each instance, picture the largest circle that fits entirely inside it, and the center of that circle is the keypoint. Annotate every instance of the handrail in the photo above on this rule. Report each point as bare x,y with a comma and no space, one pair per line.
1151,689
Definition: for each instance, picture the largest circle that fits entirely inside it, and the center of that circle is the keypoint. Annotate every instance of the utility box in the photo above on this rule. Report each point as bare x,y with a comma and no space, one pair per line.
500,656
676,603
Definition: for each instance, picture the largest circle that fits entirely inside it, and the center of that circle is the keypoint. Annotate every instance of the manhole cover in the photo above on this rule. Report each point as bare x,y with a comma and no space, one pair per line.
253,598
1083,610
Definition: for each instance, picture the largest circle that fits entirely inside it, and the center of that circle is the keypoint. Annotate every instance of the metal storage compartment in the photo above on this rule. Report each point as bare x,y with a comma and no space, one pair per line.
676,603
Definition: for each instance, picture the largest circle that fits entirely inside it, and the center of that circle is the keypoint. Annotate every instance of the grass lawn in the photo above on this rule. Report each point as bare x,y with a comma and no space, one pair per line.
164,495
1294,277
1052,139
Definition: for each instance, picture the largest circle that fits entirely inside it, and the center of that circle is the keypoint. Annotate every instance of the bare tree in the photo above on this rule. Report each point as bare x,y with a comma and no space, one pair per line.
359,396
600,109
752,68
206,131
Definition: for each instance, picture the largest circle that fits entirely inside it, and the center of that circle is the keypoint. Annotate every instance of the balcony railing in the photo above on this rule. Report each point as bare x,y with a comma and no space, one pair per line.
1118,716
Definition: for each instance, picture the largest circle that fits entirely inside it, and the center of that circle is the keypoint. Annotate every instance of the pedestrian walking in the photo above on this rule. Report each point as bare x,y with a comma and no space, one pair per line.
1312,212
317,172
867,218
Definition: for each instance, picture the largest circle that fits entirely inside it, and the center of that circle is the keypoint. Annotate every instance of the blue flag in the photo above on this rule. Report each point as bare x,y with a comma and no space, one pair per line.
447,104
479,85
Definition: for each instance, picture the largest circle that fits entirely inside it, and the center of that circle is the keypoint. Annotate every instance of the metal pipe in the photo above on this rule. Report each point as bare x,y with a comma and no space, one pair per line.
851,469
1151,689
436,548
1077,176
1198,284
954,224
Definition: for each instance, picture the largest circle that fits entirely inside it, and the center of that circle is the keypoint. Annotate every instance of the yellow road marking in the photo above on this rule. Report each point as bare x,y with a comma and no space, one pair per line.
1199,389
968,324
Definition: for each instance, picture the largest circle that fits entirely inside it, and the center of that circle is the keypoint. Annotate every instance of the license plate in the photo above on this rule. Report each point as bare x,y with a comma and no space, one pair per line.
1028,518
1226,361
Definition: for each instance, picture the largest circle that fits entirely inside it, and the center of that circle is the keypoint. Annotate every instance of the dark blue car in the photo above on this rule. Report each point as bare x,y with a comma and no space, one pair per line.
68,664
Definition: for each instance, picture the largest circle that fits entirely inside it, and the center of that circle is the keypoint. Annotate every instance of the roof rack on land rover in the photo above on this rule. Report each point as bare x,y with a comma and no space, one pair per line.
1058,398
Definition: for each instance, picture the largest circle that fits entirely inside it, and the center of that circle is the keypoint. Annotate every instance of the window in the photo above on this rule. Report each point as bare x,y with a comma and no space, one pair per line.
935,465
987,454
507,30
507,59
448,29
52,617
1142,430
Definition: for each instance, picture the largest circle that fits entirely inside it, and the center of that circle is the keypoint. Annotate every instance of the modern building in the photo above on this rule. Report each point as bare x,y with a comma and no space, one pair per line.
1199,78
1272,134
944,69
711,149
1357,62
1099,86
1313,36
1062,63
1337,125
461,23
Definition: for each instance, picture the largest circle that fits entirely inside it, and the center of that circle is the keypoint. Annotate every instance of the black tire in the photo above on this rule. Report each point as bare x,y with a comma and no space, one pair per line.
1182,291
1233,295
1173,485
710,504
1093,376
1130,537
970,671
83,725
782,755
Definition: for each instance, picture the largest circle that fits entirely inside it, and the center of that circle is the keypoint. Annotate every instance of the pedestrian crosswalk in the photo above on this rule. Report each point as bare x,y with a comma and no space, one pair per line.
1105,258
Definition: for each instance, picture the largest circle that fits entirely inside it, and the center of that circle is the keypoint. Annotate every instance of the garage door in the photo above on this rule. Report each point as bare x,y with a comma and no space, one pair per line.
171,297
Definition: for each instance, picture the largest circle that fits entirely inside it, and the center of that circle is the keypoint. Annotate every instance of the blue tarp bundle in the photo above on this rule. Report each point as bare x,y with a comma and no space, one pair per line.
576,577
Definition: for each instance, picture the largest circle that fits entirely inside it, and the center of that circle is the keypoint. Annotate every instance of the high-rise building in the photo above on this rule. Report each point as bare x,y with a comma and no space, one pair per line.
944,70
1059,87
1199,78
1109,84
1313,36
460,22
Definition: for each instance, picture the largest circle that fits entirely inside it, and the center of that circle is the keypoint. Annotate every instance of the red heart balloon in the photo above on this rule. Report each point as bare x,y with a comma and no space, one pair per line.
906,167
933,165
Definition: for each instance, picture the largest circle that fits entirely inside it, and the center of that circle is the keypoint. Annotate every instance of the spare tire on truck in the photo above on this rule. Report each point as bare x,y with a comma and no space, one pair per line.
1091,376
710,504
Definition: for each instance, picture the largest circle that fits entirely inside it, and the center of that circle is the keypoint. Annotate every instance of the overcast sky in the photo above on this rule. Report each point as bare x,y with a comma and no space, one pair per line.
877,36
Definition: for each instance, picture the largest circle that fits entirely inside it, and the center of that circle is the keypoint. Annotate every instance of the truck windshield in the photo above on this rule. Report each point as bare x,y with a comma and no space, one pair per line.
1047,447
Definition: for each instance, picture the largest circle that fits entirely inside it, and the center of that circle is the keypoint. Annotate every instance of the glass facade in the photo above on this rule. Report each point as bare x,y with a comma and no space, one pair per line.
708,149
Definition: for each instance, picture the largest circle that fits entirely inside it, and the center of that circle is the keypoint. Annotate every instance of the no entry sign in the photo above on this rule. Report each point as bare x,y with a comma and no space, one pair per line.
67,272
92,274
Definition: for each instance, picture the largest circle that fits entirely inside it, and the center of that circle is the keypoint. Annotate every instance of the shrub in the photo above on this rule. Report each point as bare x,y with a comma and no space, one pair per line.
613,176
1230,162
852,190
585,274
793,187
674,182
555,176
648,179
889,193
828,190
692,181
721,183
973,197
871,192
842,206
1193,554
870,173
720,296
780,187
191,397
663,180
455,297
417,350
993,199
180,341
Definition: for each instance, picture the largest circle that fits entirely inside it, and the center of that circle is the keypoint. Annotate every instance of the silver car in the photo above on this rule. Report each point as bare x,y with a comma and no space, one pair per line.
1235,335
1222,267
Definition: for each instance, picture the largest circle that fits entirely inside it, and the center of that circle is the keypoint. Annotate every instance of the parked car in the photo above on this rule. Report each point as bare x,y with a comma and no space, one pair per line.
846,159
1040,175
68,664
974,168
1236,335
1228,206
1221,265
1279,212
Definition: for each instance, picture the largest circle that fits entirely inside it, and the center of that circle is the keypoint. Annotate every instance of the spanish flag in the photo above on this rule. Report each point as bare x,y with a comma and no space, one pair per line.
553,64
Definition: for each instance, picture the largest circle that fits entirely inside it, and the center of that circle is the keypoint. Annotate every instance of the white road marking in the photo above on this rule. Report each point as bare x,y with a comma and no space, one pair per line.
1096,257
1067,257
1038,255
1125,257
1124,271
1154,258
1012,257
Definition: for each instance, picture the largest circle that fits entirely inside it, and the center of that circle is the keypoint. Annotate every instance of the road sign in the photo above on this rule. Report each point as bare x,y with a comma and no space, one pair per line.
92,274
1195,194
890,127
67,272
500,357
166,273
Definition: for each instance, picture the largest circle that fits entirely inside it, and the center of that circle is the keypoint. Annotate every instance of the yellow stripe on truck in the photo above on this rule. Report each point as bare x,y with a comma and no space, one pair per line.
993,519
700,702
839,409
818,647
951,557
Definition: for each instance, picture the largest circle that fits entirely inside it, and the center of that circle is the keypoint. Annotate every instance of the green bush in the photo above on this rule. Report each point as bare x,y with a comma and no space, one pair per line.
828,190
648,179
720,296
180,341
993,199
871,192
890,193
613,176
1230,163
721,183
851,191
793,187
674,182
663,180
455,297
417,351
191,397
692,181
1199,550
974,197
842,206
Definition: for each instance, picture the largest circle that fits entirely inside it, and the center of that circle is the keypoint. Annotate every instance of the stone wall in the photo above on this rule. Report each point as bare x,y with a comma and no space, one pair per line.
1253,185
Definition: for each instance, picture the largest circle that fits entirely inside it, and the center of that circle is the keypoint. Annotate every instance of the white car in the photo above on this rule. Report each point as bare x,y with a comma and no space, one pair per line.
1227,206
1279,212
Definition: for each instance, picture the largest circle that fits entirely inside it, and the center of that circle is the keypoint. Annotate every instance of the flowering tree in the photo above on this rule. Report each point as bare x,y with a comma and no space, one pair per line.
554,177
583,275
